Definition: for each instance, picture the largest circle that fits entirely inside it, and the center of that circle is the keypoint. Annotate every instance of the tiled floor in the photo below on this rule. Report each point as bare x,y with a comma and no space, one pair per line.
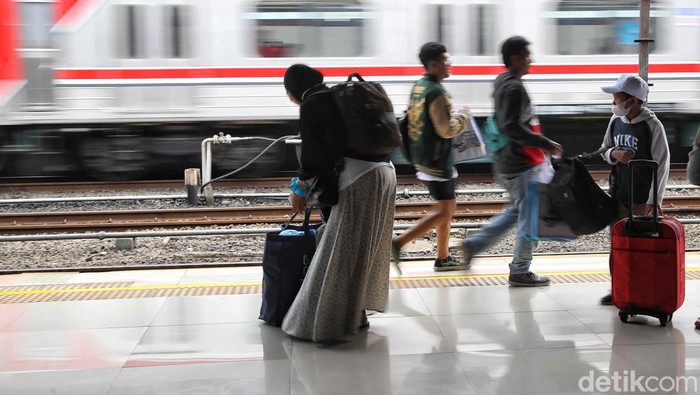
468,340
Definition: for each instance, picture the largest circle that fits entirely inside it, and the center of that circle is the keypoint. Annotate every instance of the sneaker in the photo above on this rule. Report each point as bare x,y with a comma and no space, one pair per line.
528,279
466,254
606,300
449,263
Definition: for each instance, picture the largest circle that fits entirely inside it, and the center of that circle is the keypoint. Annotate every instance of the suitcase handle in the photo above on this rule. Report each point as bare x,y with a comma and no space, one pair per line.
655,168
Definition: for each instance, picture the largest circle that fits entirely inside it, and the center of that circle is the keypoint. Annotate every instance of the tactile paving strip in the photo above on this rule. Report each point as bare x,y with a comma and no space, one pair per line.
126,290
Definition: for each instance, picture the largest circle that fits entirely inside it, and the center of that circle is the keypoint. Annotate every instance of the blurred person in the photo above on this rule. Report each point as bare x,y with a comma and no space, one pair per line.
525,149
693,171
349,272
693,168
431,127
634,132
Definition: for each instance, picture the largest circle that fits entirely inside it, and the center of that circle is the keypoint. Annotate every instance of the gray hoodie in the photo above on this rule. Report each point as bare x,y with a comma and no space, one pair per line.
516,120
645,135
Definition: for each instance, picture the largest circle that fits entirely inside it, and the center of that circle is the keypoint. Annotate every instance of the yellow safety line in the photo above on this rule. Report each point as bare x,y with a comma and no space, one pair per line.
129,288
258,283
468,276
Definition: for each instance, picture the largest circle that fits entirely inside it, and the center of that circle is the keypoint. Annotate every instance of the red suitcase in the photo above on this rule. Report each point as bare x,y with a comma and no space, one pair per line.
647,262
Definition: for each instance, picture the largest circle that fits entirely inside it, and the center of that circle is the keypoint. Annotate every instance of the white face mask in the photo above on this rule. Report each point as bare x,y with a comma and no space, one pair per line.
620,110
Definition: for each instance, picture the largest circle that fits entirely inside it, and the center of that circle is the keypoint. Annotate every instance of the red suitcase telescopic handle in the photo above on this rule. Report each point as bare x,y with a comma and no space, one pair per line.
655,213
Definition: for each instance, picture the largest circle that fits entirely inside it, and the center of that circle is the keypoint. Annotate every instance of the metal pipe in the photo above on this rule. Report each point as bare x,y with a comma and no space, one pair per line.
207,155
206,159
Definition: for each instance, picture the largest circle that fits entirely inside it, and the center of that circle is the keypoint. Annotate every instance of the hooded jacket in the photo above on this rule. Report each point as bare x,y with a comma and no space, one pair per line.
516,120
645,135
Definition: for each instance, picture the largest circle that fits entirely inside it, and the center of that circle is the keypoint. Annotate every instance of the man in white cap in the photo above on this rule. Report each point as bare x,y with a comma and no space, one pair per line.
634,132
693,170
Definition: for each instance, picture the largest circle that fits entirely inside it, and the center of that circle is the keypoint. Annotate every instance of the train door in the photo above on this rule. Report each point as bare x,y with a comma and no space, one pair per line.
36,18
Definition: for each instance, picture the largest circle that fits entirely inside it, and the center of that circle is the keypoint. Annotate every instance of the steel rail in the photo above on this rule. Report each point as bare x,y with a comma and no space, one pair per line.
272,182
237,183
34,222
22,223
271,195
211,232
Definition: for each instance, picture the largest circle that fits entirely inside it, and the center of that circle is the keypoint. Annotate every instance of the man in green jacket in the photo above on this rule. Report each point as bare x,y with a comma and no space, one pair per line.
431,126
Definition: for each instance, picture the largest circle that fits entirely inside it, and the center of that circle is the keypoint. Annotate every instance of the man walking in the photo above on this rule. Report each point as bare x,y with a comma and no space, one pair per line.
431,127
525,149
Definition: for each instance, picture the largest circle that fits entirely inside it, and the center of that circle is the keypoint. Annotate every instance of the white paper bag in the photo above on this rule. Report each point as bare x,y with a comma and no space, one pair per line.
542,173
468,145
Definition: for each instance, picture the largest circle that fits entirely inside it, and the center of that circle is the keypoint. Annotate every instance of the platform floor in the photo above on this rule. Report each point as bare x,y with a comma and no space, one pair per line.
437,340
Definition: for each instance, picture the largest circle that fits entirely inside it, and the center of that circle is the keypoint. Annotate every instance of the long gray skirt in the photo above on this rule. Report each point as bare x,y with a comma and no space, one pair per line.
350,269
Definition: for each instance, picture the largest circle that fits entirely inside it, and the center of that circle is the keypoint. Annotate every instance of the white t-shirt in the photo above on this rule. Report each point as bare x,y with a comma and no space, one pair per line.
355,168
427,177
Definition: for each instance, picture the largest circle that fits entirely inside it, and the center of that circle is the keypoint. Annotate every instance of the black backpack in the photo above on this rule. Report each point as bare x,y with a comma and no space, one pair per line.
405,140
368,116
577,199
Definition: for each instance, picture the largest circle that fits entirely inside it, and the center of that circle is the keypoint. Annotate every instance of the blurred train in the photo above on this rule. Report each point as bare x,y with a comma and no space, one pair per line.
125,88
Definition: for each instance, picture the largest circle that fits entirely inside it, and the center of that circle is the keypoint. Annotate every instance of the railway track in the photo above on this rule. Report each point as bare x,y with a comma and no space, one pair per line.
237,183
96,221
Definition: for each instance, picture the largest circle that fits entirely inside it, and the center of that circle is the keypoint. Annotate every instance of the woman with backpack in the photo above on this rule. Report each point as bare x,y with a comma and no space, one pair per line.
349,272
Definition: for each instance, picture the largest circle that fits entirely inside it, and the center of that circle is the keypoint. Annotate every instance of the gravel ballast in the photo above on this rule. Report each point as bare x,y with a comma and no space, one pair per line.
27,255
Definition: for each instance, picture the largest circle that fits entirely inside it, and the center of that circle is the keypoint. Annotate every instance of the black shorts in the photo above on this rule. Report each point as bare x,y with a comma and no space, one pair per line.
441,190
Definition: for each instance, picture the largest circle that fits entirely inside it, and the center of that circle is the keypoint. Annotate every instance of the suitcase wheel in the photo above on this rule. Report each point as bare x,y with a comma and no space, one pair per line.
665,318
624,317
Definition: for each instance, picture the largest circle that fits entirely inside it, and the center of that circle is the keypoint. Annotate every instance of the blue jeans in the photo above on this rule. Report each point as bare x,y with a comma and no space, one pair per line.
500,224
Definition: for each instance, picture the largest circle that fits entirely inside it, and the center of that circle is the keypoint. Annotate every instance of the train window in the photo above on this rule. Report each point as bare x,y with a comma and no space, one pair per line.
593,27
309,29
129,30
177,31
466,29
436,14
37,20
481,38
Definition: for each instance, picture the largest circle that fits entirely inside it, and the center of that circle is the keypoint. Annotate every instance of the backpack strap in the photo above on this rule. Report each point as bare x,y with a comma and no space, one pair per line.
305,96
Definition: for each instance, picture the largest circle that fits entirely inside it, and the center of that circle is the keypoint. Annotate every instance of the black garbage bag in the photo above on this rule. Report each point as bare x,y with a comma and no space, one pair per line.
577,199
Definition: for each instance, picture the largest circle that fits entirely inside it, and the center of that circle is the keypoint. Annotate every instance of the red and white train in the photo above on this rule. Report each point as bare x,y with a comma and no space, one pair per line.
117,88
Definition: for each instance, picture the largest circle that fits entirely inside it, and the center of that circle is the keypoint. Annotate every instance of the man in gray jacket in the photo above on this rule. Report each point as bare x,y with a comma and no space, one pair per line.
525,149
